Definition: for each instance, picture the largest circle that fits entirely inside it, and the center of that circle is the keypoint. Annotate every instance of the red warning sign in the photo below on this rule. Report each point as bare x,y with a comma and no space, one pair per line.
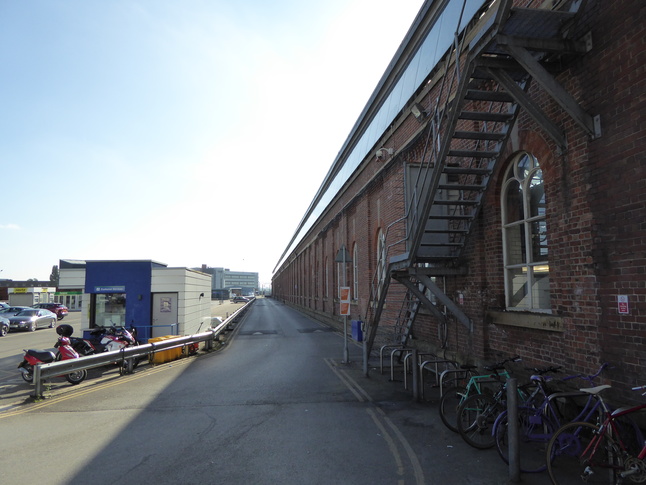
622,305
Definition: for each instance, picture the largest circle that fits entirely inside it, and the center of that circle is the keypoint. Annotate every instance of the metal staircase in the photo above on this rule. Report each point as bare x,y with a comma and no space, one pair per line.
513,48
406,318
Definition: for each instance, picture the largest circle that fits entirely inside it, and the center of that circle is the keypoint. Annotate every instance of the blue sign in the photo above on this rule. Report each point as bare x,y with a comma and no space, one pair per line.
109,289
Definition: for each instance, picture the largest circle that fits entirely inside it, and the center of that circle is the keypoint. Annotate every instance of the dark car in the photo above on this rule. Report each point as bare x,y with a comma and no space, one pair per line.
31,319
4,326
58,308
240,299
12,310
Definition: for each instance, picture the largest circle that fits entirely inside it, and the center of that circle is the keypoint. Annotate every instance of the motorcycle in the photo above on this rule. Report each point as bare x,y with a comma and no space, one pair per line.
104,339
65,351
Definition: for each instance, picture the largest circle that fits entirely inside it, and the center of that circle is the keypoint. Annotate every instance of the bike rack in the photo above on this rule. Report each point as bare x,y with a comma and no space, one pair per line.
443,374
436,363
392,360
381,354
419,361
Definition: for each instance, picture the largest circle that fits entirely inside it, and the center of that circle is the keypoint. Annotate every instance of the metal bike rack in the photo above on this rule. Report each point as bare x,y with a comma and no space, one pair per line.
436,371
381,354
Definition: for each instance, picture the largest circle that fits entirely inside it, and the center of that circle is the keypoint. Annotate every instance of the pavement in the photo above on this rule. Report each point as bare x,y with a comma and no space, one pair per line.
444,456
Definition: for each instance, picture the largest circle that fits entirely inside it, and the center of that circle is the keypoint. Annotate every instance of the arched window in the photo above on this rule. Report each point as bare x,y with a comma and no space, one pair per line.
525,244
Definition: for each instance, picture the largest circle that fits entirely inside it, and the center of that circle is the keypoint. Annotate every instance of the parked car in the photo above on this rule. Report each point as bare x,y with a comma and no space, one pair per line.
13,310
3,305
32,318
4,326
58,308
240,299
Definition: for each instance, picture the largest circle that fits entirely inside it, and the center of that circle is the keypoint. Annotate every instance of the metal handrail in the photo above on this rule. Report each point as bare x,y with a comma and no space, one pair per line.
44,371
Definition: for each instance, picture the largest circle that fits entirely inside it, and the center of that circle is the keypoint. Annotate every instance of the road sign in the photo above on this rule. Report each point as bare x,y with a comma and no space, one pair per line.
344,298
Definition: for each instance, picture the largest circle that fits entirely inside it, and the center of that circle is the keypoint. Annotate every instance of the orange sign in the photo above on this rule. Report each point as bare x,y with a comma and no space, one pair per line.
344,298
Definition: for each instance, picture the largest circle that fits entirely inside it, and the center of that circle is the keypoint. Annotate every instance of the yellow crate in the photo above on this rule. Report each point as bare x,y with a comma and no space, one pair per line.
168,355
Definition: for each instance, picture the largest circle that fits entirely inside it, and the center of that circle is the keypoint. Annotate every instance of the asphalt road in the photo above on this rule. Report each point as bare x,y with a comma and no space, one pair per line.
274,406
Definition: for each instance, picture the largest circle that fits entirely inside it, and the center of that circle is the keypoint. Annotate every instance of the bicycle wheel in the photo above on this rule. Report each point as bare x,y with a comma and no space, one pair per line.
578,454
449,404
534,432
476,416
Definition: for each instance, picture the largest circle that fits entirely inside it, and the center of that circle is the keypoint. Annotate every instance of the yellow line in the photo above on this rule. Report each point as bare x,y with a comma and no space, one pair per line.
389,440
379,415
344,378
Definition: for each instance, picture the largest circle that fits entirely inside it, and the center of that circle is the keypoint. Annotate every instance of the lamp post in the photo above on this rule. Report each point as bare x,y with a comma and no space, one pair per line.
343,257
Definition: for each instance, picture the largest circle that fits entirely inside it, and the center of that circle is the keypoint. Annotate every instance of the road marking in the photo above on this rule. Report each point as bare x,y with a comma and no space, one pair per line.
381,420
93,388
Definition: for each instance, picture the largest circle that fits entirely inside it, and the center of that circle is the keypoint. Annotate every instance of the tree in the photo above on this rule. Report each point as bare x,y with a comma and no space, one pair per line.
53,278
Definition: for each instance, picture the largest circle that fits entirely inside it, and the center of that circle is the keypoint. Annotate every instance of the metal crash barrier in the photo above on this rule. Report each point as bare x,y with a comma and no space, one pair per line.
128,354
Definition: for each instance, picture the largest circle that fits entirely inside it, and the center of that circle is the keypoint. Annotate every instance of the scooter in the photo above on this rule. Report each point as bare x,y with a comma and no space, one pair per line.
81,345
65,351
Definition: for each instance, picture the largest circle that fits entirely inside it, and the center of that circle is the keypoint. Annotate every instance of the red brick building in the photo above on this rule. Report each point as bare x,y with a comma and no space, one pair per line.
492,194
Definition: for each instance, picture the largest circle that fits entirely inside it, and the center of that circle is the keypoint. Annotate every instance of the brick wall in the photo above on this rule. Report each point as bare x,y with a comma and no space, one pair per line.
596,208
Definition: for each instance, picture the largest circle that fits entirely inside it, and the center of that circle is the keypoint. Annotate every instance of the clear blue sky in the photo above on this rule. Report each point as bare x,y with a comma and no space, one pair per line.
188,132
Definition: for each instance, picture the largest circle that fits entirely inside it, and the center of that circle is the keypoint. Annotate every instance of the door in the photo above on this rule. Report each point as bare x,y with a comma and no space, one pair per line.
164,314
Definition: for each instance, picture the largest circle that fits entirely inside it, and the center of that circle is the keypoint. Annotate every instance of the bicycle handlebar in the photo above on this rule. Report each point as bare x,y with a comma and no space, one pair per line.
545,370
501,365
589,378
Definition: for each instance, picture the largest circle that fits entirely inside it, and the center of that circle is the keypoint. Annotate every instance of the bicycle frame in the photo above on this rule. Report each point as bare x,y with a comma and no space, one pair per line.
594,448
609,427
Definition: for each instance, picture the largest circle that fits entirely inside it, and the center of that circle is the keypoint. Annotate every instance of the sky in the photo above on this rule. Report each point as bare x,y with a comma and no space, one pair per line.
186,132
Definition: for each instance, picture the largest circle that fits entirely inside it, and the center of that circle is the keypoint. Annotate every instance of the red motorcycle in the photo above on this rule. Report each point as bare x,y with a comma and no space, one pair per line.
64,351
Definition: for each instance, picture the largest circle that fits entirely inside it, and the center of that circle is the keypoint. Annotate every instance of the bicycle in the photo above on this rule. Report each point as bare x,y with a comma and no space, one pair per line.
452,398
478,412
582,452
541,415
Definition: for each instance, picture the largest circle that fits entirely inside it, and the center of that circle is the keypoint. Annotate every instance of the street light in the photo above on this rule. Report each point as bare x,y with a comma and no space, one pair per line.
343,257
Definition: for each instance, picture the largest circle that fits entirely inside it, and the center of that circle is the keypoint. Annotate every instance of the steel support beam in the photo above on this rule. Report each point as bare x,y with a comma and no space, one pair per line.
414,288
446,301
520,96
547,81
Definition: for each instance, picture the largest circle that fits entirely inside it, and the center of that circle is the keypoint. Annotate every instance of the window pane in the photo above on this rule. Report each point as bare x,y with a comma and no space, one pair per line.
514,208
517,290
536,195
525,235
515,241
110,309
539,241
524,165
541,288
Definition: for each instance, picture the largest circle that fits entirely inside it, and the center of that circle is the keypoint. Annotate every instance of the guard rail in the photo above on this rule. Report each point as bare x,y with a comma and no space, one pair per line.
128,354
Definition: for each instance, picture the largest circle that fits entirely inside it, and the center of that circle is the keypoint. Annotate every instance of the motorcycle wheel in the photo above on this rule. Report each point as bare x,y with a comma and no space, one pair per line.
123,365
76,377
28,376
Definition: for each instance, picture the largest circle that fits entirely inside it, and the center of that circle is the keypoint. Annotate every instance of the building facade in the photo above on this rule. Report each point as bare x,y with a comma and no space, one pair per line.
225,279
491,194
146,295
